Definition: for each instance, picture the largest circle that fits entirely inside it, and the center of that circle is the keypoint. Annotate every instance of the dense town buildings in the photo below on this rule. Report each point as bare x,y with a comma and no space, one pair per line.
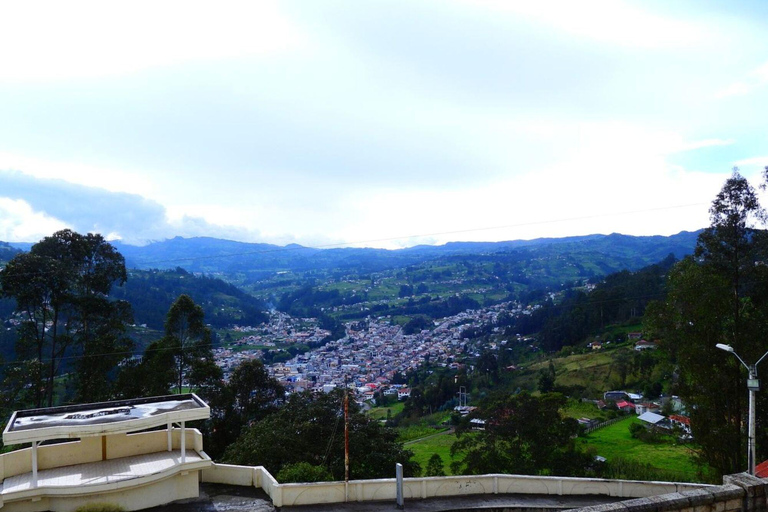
368,357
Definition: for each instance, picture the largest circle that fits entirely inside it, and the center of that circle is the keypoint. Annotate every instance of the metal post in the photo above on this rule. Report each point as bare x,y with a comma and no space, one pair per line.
34,463
183,444
399,476
170,436
751,442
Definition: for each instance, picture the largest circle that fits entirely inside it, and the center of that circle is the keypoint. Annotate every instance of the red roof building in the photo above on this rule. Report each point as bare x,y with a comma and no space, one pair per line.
761,470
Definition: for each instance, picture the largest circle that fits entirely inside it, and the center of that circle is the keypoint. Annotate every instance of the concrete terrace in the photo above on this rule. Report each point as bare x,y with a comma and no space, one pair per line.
106,472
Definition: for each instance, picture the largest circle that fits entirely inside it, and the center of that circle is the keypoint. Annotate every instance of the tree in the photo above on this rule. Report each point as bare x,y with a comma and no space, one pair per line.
435,466
310,428
152,375
719,296
250,395
189,340
183,355
523,434
61,289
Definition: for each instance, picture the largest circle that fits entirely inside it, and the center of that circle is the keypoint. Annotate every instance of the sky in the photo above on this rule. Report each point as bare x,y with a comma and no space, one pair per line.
376,123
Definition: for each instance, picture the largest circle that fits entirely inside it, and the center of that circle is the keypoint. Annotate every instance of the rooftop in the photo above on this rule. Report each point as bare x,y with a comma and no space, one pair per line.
76,421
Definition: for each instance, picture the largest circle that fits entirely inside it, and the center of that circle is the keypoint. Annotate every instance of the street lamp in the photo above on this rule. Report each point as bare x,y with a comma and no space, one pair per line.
753,385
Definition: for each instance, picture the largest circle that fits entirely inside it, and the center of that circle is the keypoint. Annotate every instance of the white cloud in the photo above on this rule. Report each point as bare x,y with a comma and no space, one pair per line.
51,40
20,223
107,178
609,21
755,79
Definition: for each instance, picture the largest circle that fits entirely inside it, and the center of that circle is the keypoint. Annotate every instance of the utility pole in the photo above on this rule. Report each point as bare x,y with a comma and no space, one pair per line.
346,435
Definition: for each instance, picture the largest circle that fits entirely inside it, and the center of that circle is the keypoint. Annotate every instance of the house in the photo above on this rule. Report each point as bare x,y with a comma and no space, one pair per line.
634,335
651,419
644,407
613,396
645,345
477,424
625,406
683,422
761,470
587,422
595,345
403,393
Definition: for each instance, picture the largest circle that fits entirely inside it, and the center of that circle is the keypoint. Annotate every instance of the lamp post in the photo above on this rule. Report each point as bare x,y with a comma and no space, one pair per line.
753,385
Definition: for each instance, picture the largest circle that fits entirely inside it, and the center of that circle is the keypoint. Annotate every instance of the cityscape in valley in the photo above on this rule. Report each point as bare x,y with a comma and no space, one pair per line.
384,248
436,348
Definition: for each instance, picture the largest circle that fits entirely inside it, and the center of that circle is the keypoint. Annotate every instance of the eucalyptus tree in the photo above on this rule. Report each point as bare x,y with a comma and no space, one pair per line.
719,295
61,288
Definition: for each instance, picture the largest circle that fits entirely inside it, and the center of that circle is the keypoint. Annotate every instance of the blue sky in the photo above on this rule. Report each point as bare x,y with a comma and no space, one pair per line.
379,123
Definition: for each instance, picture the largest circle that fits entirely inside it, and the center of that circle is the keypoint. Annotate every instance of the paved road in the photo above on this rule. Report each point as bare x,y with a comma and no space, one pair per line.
230,498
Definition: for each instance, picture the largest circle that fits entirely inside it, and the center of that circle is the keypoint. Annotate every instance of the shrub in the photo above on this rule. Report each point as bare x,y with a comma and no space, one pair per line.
301,472
100,507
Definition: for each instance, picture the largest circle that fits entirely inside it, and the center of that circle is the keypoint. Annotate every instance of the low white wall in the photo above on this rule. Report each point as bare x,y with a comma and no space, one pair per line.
431,487
178,487
126,445
230,474
89,449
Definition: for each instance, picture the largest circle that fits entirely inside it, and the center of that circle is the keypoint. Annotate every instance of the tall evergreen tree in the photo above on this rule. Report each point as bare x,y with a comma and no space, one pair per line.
720,295
61,289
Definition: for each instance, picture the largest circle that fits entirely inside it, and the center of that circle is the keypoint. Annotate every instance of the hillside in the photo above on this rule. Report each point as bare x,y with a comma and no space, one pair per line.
152,292
599,254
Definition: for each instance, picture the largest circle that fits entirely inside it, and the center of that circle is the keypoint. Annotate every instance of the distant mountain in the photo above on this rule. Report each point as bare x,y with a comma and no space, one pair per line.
212,255
7,251
545,261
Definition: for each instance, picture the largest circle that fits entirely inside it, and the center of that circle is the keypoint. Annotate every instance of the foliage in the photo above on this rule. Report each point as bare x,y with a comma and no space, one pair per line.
667,460
720,296
250,395
61,289
424,449
621,297
622,468
183,356
523,434
299,472
435,466
100,507
310,428
645,434
151,293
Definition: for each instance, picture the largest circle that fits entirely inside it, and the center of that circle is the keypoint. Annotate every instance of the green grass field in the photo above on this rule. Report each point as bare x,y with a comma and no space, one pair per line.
380,413
610,442
425,448
614,441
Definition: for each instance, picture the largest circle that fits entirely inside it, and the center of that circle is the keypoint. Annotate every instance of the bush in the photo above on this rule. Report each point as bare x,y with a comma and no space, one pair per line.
624,469
301,472
100,507
639,431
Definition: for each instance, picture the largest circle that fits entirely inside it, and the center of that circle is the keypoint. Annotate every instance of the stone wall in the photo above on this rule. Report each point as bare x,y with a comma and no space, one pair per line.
741,492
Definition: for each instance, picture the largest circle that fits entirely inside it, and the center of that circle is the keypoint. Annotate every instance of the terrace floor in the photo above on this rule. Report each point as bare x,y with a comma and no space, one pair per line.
102,472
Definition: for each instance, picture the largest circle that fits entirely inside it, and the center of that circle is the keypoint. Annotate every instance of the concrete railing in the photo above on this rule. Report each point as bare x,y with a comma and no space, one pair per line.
94,449
742,492
432,487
